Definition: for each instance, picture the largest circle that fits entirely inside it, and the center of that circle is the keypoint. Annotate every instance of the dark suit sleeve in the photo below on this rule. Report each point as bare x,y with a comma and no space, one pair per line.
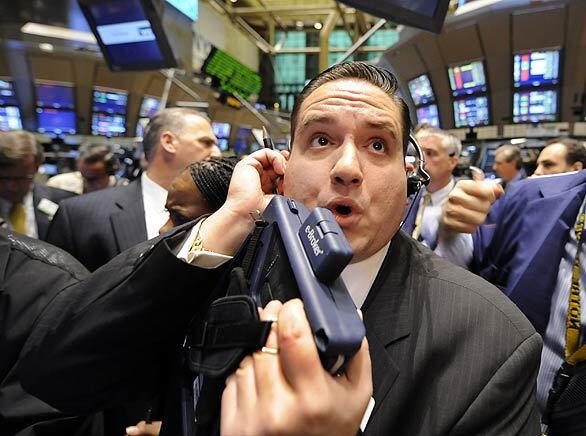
109,338
506,404
60,230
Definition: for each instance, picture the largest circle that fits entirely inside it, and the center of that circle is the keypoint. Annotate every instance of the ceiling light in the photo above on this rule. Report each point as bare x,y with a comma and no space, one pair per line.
299,24
46,47
58,32
318,26
515,141
233,1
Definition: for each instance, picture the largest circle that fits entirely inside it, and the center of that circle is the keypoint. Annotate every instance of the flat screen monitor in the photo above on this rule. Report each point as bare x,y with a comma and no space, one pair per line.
108,125
471,111
230,75
186,7
10,118
56,121
221,130
149,107
130,34
223,144
423,14
467,78
536,68
140,126
428,115
534,106
241,143
109,101
7,96
55,96
421,91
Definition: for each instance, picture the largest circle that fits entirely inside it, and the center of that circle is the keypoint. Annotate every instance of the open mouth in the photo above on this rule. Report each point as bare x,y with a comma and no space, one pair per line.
343,210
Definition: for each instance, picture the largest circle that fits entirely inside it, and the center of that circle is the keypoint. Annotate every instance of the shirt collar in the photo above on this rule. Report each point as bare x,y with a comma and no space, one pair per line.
360,276
151,190
440,195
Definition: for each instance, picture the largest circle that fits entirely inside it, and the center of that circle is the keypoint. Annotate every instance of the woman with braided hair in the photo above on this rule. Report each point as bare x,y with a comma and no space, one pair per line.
199,189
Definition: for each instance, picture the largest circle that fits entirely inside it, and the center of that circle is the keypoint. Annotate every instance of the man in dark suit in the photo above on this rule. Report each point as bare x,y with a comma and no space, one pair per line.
25,206
96,227
450,353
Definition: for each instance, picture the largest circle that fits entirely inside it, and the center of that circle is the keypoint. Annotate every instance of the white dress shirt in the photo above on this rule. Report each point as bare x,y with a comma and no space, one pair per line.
29,211
458,248
154,198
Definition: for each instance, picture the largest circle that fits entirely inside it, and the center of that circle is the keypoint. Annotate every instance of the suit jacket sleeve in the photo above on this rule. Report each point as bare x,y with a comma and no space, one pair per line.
506,404
109,338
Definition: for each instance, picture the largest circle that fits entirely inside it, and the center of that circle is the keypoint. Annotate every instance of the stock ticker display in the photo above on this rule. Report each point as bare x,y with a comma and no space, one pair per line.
470,112
536,68
421,90
56,121
55,96
10,118
108,125
7,96
109,101
428,115
230,75
467,78
534,106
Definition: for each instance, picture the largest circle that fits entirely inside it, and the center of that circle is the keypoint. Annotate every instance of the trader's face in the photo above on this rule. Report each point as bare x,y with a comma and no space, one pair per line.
348,157
506,170
16,180
95,176
197,141
553,160
184,202
438,163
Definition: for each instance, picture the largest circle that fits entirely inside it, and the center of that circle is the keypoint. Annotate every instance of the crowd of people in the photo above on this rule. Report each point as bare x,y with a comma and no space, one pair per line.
469,290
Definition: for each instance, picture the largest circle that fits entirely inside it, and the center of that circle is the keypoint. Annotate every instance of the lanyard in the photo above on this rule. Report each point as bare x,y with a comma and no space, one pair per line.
573,352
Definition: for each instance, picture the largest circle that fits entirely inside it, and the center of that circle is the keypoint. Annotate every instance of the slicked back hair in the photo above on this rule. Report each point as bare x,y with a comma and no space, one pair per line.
382,79
171,119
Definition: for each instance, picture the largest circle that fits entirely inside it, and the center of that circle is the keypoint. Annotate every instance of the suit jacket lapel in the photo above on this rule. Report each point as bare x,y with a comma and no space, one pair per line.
387,316
128,222
545,226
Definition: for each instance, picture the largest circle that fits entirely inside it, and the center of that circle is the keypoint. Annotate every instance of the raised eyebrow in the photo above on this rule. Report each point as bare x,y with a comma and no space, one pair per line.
316,119
383,126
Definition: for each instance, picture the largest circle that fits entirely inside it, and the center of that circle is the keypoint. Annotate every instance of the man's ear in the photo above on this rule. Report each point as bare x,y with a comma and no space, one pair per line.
169,142
577,166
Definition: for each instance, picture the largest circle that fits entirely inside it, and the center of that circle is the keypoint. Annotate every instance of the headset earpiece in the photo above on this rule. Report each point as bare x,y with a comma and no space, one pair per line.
420,177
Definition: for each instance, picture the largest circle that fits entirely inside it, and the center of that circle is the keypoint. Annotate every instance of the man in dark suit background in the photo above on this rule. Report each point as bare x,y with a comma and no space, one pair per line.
450,353
96,227
25,206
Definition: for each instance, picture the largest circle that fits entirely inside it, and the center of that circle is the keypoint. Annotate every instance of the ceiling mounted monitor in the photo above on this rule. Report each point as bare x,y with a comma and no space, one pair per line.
109,101
130,34
230,75
535,106
467,78
189,8
108,125
470,112
428,115
10,118
221,130
55,95
421,91
423,14
7,96
56,121
536,68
